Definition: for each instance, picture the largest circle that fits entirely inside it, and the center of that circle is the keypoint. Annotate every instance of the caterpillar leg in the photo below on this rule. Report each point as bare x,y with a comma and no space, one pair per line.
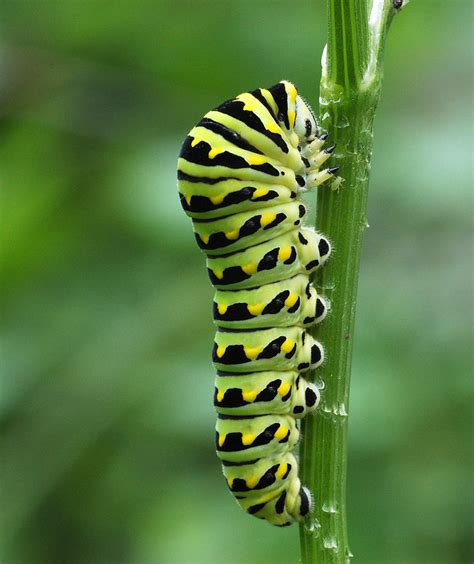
315,179
314,158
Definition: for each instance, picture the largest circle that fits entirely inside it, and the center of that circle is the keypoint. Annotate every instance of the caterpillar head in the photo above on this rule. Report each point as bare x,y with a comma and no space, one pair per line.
306,126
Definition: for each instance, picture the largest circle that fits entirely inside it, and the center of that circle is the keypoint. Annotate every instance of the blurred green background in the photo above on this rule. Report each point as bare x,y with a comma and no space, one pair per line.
106,411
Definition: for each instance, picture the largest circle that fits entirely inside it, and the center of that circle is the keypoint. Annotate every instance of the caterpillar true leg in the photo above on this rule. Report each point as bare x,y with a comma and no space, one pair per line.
240,172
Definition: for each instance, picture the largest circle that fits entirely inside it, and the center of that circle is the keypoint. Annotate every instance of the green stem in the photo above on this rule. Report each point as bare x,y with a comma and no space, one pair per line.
350,90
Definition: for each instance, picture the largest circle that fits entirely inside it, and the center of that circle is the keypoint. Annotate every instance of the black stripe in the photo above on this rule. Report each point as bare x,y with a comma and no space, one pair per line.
304,504
203,204
234,312
280,504
235,109
281,99
233,354
226,373
301,181
272,349
225,416
251,287
229,135
312,264
276,304
199,154
230,330
232,398
230,463
211,219
261,98
255,508
202,179
295,307
231,275
233,441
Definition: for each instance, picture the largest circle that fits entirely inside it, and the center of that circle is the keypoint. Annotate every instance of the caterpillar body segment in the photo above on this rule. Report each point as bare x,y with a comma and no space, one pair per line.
299,251
254,393
257,437
221,235
288,348
241,170
269,488
228,196
288,303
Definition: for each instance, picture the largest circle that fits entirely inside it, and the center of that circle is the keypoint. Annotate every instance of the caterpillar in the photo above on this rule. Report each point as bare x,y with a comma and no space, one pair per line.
241,171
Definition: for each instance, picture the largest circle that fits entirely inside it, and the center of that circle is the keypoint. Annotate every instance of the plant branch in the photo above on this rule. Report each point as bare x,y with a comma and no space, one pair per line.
350,90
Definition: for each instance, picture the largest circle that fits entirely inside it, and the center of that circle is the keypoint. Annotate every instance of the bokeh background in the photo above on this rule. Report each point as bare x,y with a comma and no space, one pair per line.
106,414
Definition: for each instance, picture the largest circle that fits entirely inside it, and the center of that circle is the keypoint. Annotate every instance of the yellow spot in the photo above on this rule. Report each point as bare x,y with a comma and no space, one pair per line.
281,433
284,253
214,152
272,127
259,192
287,346
250,268
292,92
255,159
195,142
218,199
255,309
218,273
282,470
252,481
250,396
220,351
283,389
248,438
222,308
291,300
291,118
232,235
188,199
267,218
252,352
220,395
230,481
221,439
204,238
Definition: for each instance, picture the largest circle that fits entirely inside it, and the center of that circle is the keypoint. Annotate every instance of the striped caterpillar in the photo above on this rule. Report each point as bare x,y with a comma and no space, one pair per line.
240,173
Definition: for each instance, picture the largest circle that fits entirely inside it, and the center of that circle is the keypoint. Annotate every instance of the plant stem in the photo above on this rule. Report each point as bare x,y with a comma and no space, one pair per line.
350,90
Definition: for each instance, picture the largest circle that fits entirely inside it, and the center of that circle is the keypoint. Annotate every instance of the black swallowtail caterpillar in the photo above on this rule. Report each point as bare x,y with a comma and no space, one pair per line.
240,172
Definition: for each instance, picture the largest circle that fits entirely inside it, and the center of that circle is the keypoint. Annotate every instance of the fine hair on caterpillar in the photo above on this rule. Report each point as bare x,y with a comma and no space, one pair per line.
241,171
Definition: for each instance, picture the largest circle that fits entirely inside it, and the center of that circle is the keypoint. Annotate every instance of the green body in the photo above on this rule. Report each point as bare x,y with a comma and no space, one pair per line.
239,175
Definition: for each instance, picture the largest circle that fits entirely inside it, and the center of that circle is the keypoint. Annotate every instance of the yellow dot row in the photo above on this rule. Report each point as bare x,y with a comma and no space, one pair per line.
248,438
253,480
252,352
217,199
250,395
256,309
265,220
251,268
